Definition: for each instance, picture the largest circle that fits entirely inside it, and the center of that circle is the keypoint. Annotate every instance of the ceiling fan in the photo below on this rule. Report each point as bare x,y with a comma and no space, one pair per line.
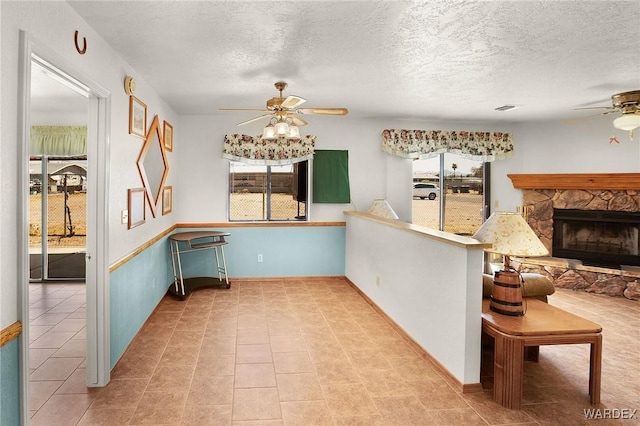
626,103
284,114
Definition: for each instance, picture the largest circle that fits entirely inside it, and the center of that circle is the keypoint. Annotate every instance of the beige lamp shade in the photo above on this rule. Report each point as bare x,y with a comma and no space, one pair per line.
380,207
510,235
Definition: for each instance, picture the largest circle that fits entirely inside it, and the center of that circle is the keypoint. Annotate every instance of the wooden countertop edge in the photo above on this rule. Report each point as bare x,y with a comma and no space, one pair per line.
286,224
10,333
457,240
169,230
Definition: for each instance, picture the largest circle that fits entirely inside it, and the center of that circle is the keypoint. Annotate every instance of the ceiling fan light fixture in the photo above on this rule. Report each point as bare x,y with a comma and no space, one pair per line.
269,132
293,133
628,122
282,128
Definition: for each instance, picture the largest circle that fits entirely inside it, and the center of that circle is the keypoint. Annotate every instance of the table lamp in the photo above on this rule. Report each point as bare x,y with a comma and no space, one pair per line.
510,235
380,207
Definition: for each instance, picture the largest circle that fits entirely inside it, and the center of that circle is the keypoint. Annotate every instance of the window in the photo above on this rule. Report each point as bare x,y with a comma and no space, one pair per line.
267,193
449,193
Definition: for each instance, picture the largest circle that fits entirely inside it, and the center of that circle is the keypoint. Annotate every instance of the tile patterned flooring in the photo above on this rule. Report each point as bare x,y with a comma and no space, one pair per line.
296,352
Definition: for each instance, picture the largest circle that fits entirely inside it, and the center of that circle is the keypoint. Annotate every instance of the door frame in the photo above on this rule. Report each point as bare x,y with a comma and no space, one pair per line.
98,136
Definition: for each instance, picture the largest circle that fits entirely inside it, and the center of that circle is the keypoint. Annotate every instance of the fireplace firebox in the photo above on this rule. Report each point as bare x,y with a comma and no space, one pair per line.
597,237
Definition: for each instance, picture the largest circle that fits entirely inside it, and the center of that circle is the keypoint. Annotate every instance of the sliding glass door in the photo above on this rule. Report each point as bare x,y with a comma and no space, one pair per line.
449,193
57,217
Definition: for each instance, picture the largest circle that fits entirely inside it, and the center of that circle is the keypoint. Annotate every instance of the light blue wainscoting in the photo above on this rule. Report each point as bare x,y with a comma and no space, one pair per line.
135,290
286,252
10,384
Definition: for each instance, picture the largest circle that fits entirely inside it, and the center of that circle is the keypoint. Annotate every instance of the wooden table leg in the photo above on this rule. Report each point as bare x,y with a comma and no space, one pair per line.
532,353
595,370
508,372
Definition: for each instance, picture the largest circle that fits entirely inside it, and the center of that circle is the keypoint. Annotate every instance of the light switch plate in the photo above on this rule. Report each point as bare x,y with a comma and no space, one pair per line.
124,216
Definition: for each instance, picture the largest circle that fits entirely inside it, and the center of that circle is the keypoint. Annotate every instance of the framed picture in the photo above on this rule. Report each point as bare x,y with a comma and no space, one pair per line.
137,117
168,136
136,207
167,199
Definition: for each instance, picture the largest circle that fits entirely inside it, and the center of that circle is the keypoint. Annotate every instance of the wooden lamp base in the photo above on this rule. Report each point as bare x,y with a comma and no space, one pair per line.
506,294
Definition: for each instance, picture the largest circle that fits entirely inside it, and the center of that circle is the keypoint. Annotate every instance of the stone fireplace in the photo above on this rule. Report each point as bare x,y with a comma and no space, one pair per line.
596,237
589,223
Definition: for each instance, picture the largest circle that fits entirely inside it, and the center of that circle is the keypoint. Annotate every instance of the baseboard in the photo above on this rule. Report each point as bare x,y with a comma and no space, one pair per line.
442,370
305,278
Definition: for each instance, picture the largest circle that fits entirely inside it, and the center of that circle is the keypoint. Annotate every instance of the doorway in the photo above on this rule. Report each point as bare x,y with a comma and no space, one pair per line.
95,100
57,178
57,239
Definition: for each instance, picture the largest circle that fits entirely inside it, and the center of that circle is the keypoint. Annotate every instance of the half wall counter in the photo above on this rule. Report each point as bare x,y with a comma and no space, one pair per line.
428,282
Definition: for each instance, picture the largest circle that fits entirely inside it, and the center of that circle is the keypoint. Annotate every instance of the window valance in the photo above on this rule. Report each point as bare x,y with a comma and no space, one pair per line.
480,146
270,152
58,140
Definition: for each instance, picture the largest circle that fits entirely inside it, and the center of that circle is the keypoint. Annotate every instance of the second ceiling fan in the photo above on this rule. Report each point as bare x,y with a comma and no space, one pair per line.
627,105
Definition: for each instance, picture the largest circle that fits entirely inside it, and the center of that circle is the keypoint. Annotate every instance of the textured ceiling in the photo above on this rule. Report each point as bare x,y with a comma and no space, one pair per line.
444,60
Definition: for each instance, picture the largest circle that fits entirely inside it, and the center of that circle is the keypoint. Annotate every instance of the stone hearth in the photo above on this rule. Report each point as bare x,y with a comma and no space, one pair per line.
538,204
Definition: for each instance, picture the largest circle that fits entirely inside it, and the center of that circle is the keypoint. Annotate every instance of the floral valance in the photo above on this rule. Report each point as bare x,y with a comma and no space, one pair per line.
480,146
58,140
255,150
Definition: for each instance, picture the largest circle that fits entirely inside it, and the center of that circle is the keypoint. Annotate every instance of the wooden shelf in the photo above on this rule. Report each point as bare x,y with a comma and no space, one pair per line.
611,181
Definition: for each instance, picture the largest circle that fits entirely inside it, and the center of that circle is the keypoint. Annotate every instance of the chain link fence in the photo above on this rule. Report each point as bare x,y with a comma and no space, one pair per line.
463,208
249,198
66,210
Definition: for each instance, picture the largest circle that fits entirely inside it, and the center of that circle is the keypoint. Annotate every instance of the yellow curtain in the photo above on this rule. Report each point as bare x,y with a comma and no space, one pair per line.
58,140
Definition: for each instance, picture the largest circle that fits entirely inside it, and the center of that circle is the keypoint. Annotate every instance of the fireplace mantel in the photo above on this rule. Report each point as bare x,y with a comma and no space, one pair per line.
611,181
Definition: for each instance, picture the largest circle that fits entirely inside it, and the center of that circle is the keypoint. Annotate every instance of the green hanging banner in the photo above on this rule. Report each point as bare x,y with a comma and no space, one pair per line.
331,177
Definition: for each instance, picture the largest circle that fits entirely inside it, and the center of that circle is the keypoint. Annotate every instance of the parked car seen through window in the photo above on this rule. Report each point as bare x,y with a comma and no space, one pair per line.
425,190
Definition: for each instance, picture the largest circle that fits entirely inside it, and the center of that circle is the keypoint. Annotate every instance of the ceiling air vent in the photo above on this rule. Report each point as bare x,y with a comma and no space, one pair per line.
506,107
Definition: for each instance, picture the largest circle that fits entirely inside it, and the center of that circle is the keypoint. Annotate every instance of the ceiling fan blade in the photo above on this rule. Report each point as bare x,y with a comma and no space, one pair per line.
325,111
574,120
243,109
292,102
297,120
254,119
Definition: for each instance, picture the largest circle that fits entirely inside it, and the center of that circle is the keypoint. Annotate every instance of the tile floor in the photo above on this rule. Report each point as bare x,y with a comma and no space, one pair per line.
297,352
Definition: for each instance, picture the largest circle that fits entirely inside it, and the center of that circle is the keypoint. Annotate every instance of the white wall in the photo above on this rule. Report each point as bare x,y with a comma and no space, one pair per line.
203,173
51,26
429,286
545,147
555,147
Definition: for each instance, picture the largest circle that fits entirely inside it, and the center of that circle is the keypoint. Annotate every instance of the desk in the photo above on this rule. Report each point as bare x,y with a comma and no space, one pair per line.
185,242
542,324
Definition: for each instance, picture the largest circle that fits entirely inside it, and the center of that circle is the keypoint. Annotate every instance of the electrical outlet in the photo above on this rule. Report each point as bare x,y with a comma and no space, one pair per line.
496,204
378,281
124,216
260,258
